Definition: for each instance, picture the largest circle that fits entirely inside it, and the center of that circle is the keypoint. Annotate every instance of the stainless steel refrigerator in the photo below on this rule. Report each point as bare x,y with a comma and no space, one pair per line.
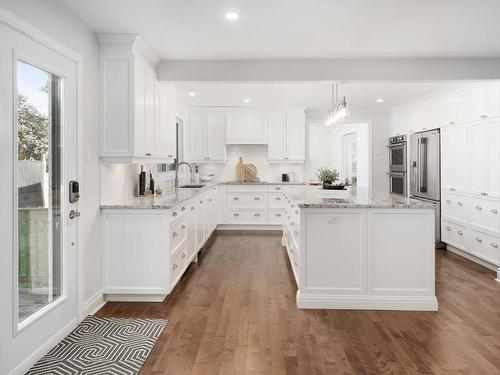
425,179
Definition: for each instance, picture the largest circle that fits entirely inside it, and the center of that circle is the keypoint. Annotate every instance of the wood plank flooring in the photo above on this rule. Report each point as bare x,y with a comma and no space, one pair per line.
235,313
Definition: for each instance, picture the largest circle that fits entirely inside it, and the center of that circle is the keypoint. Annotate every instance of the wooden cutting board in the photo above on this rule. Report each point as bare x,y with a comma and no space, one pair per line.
240,171
251,173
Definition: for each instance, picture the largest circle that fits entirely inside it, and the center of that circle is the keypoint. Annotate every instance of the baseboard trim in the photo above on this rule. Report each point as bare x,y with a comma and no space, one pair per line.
364,302
472,258
136,297
94,303
25,365
249,228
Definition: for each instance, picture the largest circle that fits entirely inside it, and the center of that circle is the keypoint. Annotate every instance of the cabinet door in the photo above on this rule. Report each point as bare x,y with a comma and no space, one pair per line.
493,187
166,127
216,137
493,97
149,111
200,223
245,127
479,157
455,158
447,156
198,131
295,132
276,149
139,110
191,229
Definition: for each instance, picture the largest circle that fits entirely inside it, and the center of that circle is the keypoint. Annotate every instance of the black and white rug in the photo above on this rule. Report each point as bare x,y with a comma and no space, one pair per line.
102,346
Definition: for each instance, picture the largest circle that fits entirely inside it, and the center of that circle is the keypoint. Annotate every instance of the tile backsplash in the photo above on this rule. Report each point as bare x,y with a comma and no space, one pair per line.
118,181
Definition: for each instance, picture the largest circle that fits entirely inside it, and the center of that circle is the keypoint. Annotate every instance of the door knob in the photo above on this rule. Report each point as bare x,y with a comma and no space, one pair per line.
73,214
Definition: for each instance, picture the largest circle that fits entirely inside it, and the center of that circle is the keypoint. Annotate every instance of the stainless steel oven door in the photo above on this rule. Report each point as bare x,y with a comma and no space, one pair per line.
397,157
397,183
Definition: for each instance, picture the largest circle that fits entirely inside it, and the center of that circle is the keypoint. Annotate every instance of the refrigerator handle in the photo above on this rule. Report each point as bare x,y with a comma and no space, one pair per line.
423,165
417,167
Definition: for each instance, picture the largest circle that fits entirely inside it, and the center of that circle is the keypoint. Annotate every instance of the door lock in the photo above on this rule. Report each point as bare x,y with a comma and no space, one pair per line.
73,214
74,191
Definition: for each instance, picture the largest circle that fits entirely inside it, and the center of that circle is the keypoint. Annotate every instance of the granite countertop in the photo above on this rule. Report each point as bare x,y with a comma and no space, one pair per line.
314,199
261,183
166,201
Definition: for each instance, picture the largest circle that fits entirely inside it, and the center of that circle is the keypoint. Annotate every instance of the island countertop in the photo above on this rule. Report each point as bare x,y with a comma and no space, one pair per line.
316,197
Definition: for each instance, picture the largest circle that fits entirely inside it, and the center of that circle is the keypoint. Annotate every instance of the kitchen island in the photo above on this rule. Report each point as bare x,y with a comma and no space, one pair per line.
362,252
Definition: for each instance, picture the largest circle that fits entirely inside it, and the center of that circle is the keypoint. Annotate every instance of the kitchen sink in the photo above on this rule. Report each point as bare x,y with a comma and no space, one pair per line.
191,186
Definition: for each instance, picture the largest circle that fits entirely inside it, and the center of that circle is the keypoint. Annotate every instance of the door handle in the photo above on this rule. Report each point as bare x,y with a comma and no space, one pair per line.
73,214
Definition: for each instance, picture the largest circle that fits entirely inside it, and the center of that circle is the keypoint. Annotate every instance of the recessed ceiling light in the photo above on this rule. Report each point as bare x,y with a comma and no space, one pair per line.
232,16
246,100
379,100
192,94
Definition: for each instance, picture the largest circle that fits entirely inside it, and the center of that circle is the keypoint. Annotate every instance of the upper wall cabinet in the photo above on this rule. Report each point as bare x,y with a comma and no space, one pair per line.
207,131
246,127
286,136
137,113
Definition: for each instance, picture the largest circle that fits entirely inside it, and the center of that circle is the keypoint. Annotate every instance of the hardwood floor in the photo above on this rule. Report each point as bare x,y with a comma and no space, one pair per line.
235,313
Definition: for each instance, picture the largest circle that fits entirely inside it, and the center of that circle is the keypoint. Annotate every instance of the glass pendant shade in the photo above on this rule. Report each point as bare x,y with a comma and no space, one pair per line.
339,110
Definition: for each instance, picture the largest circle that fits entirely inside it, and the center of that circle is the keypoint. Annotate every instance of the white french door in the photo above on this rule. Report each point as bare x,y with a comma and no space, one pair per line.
39,153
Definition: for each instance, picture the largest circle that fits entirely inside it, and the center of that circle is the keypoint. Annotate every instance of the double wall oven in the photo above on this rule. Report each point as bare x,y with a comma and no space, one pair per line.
397,165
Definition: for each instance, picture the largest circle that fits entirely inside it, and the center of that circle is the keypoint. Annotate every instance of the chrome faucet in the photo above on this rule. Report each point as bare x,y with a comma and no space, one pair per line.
177,172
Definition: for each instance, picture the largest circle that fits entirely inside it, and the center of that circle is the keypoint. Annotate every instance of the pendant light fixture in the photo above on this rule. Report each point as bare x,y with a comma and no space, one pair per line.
339,110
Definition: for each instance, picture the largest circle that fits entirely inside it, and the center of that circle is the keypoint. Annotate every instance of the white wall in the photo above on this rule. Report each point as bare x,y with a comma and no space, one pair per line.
49,17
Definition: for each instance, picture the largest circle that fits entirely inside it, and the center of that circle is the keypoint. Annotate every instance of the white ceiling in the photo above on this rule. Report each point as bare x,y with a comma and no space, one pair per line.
197,29
361,96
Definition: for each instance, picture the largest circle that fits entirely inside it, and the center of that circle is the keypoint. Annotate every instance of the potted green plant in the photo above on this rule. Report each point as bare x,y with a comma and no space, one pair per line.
327,176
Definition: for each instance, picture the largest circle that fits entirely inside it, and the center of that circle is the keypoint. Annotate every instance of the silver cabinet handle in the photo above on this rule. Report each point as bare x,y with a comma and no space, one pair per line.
448,201
174,267
484,194
236,198
479,208
169,156
452,189
256,214
494,244
183,209
183,227
296,212
460,204
210,200
479,239
174,213
183,256
494,211
452,123
192,208
201,202
277,215
174,234
448,228
235,214
460,232
484,116
277,188
296,263
148,154
257,198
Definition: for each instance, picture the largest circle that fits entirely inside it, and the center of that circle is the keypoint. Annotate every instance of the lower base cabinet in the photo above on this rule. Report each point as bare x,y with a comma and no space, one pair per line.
146,251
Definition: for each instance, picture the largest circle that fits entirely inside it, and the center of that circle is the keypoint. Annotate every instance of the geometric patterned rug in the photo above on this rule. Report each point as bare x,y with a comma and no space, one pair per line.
102,346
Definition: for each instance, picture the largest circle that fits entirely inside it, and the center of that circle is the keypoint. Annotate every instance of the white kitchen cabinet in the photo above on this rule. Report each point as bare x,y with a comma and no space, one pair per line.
166,127
246,127
286,136
131,129
401,121
200,222
455,160
207,137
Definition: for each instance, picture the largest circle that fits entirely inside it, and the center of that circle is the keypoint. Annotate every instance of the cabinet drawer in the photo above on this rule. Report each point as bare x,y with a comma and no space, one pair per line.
178,212
485,246
275,216
454,234
177,265
246,189
246,216
454,206
244,200
276,188
485,213
178,233
275,200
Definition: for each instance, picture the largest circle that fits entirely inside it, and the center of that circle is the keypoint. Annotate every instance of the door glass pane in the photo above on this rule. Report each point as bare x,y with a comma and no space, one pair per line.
39,189
350,158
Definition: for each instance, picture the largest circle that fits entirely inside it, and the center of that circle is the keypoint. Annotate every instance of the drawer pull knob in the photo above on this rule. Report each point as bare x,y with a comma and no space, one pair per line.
479,208
174,213
192,208
296,263
183,256
236,198
494,244
494,211
174,234
257,198
460,204
479,239
277,188
484,194
201,202
460,232
174,267
448,228
296,212
452,189
484,116
148,154
235,214
277,198
183,209
256,214
277,215
183,226
448,201
210,200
